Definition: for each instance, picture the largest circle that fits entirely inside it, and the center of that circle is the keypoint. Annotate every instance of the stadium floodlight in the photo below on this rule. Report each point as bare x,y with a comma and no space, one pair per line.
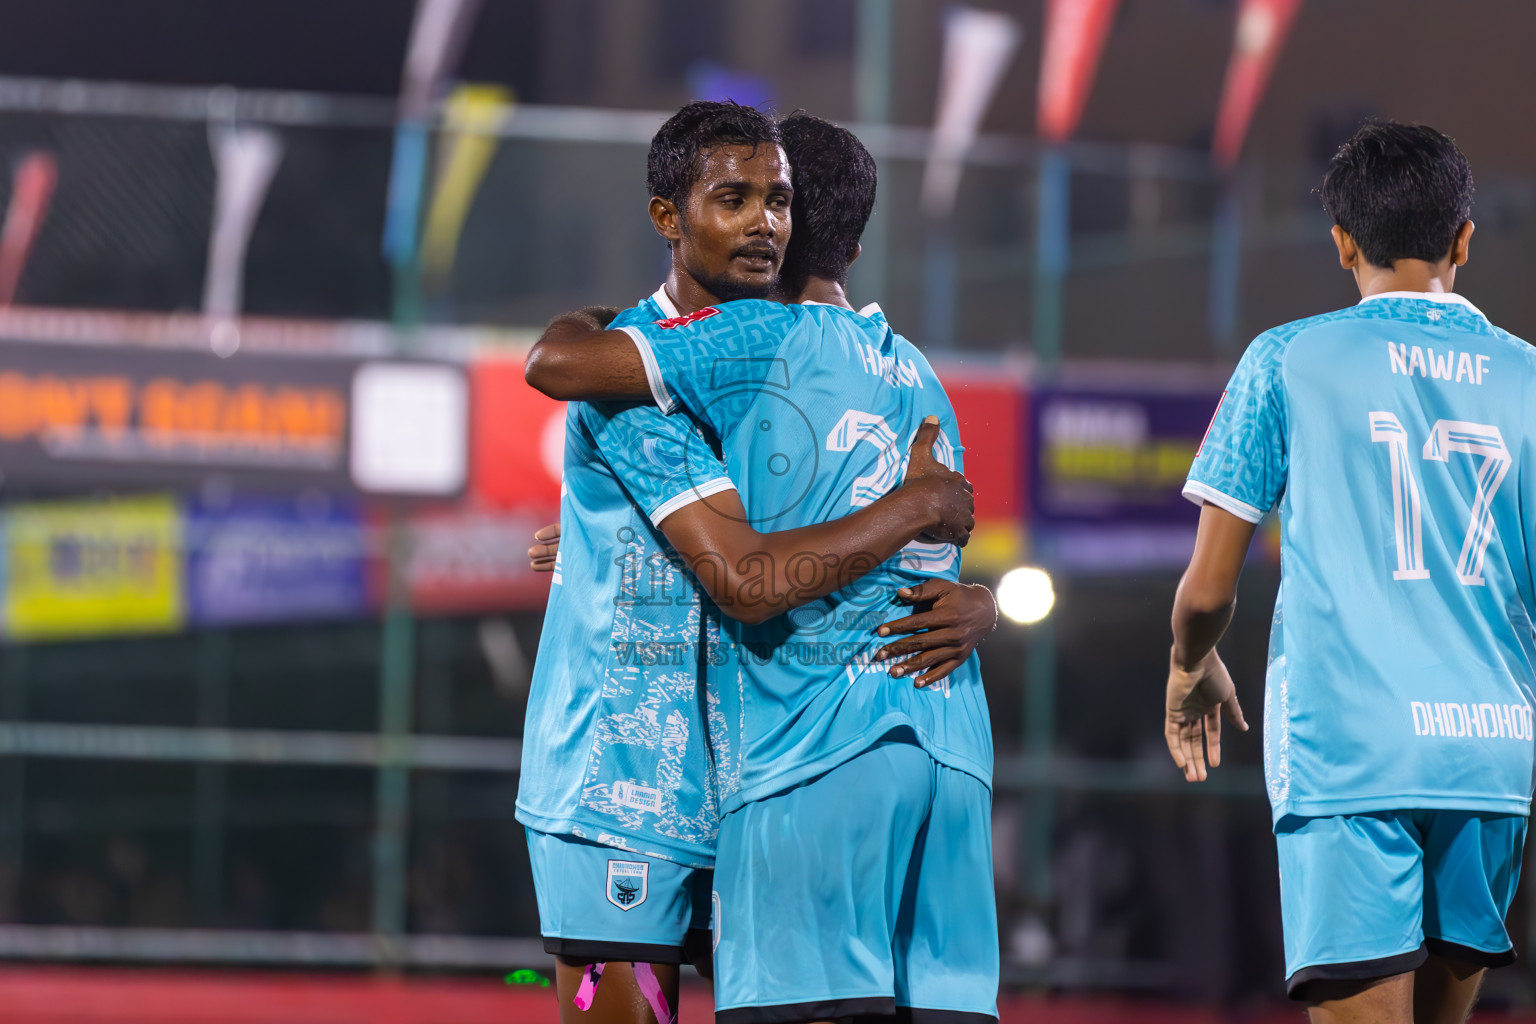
1025,594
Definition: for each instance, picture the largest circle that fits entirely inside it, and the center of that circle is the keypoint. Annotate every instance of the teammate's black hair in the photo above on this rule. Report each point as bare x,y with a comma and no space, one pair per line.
1401,191
680,146
834,179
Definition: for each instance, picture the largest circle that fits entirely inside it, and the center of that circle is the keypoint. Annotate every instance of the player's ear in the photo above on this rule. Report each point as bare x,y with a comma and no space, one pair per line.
1462,246
1349,252
857,249
666,219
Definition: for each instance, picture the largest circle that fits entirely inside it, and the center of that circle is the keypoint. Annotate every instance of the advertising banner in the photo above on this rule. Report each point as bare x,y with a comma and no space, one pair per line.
990,407
467,560
518,446
1107,475
86,416
276,560
93,568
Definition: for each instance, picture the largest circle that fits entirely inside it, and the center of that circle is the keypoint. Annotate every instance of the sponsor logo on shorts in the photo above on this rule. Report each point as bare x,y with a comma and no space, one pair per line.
628,883
641,798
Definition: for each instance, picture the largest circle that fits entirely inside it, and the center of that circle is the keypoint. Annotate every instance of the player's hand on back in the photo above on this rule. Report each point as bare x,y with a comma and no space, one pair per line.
1196,700
541,557
950,620
948,493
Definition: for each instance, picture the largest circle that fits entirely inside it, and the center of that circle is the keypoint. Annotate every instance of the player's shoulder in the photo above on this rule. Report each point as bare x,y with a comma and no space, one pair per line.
643,312
1268,350
736,313
1516,346
1287,333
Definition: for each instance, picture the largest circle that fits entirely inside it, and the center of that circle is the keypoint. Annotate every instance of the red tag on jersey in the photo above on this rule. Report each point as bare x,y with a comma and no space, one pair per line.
1209,425
683,321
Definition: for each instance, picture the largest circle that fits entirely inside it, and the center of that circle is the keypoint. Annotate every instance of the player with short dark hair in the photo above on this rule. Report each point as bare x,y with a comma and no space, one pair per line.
617,792
835,183
1401,192
854,869
1396,441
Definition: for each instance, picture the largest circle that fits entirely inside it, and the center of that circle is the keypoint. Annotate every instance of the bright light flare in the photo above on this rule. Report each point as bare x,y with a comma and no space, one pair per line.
1025,594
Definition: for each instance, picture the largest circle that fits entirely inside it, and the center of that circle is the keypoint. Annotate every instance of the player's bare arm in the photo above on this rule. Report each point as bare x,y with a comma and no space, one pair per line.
575,360
1200,689
755,576
949,621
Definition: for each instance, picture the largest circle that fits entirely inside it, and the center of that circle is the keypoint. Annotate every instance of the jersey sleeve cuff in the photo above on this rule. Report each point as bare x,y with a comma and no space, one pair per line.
1200,493
692,494
664,400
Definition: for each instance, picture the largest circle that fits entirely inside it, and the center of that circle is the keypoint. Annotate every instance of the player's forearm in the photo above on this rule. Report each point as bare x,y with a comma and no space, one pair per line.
574,360
754,576
1201,614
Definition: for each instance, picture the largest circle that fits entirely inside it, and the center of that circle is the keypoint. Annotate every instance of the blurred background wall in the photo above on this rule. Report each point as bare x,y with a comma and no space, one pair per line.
260,705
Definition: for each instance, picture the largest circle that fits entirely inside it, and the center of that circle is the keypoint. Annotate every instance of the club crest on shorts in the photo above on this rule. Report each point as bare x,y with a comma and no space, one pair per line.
628,883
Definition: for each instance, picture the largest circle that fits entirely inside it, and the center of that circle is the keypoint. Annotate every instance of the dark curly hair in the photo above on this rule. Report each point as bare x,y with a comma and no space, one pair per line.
1401,191
679,147
834,179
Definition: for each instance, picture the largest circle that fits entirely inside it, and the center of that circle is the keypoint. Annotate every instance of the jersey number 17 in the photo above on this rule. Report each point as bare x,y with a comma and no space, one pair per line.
1445,437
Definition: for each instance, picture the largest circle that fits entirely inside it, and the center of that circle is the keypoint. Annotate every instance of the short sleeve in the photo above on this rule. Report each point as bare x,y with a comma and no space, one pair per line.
664,462
1242,464
693,361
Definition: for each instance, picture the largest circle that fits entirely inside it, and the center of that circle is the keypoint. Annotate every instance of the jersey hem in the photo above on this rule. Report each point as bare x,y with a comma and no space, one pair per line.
664,400
1200,493
1328,808
579,830
805,771
688,497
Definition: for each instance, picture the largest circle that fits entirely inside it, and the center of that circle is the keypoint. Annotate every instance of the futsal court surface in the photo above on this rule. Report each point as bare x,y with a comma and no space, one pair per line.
52,995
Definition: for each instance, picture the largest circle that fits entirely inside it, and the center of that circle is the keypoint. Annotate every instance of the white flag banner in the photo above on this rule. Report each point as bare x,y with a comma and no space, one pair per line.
245,159
438,35
977,47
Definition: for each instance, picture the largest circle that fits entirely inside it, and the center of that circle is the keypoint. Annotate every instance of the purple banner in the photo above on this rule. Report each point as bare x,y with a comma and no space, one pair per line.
1106,475
276,560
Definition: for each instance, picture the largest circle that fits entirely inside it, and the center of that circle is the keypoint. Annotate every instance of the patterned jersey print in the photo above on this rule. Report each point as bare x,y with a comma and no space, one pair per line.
815,408
615,748
1395,441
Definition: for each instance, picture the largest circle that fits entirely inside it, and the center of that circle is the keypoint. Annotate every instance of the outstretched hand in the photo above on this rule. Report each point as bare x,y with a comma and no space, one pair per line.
541,557
1196,701
951,619
954,503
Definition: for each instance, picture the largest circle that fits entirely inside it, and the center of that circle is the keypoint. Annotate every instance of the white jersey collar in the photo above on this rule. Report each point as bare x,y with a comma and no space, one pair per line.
1426,297
866,312
662,299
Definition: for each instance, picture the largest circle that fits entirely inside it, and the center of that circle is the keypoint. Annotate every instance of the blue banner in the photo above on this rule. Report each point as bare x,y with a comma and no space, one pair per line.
276,560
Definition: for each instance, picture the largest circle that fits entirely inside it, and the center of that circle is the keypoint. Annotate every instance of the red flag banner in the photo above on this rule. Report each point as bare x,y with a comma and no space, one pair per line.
1262,27
32,189
1074,37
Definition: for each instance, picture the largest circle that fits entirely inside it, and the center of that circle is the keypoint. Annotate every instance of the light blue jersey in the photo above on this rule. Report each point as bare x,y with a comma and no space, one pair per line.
1398,440
815,407
614,749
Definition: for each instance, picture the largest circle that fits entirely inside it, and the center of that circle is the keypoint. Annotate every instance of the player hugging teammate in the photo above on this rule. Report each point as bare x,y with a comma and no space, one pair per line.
1396,440
745,501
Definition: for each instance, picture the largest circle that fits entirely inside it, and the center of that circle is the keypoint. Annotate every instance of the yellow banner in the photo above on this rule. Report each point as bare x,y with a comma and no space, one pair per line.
92,568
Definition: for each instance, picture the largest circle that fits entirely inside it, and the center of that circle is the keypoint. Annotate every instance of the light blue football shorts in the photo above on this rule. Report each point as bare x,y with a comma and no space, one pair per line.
867,890
597,903
1372,895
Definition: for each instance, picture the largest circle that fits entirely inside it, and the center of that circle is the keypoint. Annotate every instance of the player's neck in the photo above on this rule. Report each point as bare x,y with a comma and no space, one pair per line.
686,293
824,290
1405,276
